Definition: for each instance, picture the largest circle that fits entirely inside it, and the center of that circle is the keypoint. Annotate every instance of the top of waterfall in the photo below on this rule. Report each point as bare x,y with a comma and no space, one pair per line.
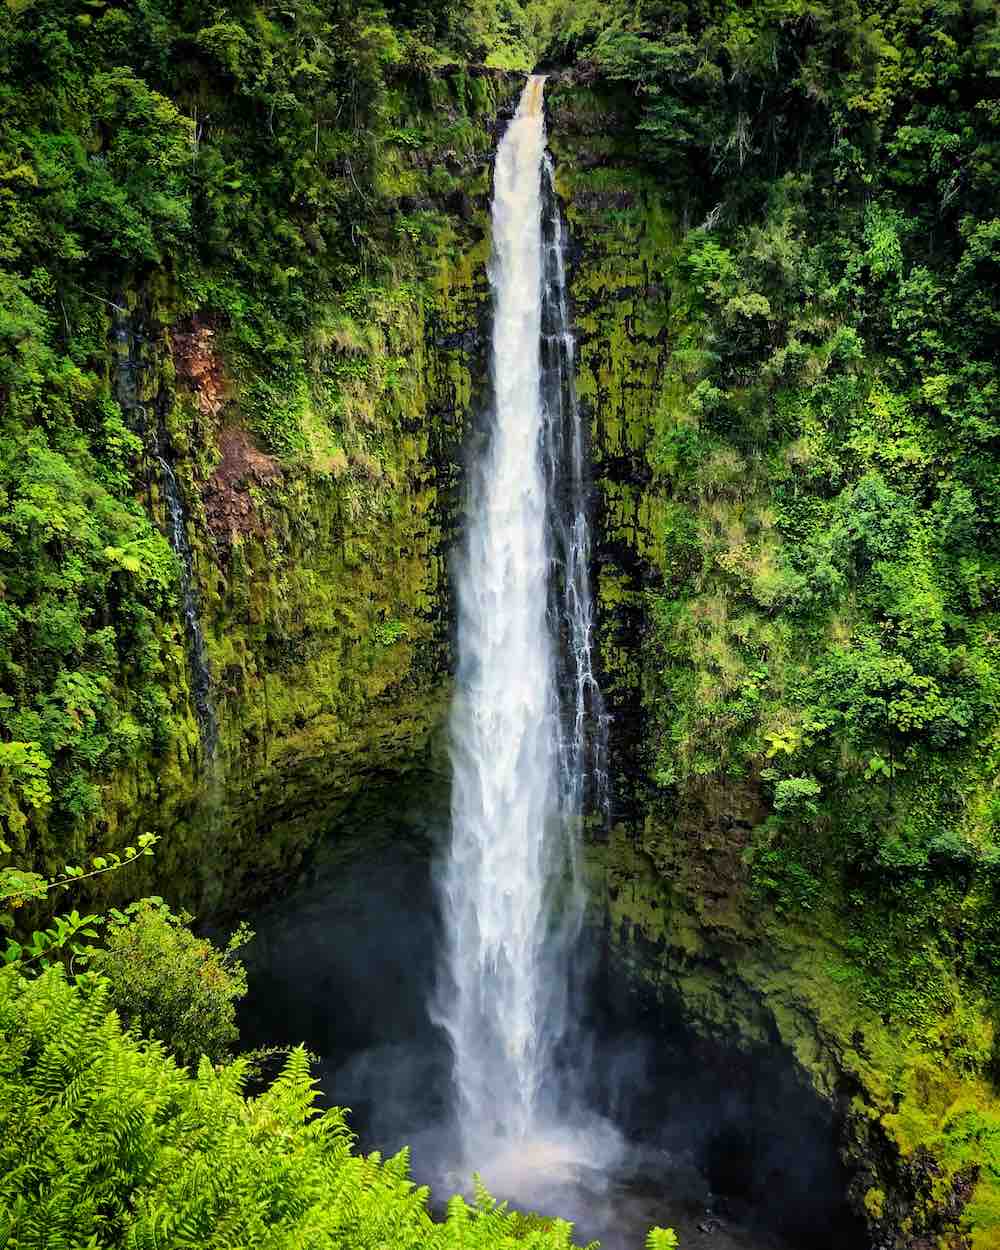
531,98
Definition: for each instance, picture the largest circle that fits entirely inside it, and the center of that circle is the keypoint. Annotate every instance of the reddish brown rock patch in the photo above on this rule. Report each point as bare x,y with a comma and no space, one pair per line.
199,365
229,506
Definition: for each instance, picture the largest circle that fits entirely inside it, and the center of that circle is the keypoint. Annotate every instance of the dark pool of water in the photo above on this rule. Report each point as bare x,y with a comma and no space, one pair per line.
730,1150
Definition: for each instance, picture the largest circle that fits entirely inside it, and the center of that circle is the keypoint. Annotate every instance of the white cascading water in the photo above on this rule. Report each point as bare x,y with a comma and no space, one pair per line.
511,898
583,741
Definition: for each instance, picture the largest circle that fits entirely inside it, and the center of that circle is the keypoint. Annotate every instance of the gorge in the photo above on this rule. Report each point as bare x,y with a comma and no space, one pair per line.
522,1105
250,419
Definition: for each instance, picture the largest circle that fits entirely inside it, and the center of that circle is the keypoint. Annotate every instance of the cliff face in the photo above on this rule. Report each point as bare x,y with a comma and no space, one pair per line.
306,650
701,670
324,582
300,653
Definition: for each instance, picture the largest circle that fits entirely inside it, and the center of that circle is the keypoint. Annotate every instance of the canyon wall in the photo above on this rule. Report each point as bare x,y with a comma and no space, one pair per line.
700,666
316,521
318,502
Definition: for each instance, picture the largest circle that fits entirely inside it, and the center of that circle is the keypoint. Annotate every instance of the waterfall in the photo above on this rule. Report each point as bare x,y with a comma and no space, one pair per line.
129,363
201,677
584,737
526,691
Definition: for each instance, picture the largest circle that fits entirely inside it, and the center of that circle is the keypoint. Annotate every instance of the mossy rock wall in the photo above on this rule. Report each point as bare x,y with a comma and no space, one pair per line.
622,231
902,1058
319,552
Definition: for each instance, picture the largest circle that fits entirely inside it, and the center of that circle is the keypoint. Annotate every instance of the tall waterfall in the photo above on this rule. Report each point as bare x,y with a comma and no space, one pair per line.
526,692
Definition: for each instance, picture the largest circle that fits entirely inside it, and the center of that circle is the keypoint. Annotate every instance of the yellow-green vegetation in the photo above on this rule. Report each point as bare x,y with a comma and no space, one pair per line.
168,984
246,242
801,555
106,1142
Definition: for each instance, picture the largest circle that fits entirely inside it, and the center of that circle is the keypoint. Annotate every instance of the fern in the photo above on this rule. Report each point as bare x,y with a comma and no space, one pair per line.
106,1144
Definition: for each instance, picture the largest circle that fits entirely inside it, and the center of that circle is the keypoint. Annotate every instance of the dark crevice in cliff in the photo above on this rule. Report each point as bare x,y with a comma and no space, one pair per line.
133,354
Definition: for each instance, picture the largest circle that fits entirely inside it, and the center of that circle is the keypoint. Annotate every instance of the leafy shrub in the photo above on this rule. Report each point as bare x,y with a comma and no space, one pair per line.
797,794
170,985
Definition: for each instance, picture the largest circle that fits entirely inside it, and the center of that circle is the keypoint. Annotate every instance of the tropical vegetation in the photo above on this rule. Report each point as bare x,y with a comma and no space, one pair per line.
822,483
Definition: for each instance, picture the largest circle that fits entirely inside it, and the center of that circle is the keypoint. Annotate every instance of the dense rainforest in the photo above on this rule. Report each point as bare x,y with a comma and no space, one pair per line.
242,326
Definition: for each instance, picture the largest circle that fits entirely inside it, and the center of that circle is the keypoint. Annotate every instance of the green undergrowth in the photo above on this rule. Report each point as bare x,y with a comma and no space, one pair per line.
107,1142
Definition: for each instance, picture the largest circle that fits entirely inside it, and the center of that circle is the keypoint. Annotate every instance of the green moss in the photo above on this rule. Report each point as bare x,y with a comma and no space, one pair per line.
751,979
319,480
779,883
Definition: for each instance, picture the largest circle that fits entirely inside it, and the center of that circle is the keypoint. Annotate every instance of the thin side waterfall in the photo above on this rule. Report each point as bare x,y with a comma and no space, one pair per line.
201,677
526,697
584,739
129,362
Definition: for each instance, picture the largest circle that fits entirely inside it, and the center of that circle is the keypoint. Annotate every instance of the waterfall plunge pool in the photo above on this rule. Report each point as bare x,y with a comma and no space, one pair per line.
728,1148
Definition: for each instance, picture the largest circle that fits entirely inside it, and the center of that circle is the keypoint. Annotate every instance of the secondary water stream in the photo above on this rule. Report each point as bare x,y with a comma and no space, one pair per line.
129,363
201,676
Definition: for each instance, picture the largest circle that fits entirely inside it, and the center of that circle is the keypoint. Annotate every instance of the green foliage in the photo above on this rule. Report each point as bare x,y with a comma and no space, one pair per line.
105,1142
68,549
25,766
388,632
19,886
62,938
797,794
818,546
163,981
168,984
251,166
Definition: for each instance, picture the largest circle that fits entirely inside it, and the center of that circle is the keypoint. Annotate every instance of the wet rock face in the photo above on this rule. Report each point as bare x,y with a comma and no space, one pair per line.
747,1113
321,573
671,884
229,505
198,364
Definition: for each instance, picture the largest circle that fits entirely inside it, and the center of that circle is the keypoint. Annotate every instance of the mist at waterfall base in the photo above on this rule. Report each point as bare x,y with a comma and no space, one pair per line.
437,955
347,962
